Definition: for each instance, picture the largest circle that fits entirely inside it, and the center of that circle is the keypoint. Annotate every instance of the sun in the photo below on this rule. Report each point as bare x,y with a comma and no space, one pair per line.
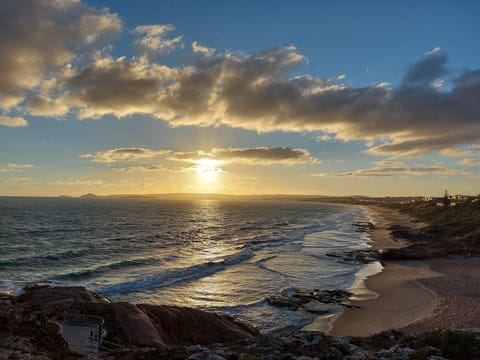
208,169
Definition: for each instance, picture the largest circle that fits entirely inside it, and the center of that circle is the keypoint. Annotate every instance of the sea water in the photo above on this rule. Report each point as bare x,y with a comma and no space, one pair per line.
222,256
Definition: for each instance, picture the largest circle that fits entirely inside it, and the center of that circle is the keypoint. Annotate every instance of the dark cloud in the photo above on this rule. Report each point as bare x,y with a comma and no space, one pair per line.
41,105
39,36
399,169
426,71
256,92
258,155
117,86
123,154
151,168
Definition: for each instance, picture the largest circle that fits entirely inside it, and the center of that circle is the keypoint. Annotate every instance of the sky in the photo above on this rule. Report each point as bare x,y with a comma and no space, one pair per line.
376,98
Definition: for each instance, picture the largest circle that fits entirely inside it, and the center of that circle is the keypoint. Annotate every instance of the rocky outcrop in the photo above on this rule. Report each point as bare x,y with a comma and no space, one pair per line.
356,256
137,327
44,296
170,332
164,326
182,325
143,325
389,344
316,301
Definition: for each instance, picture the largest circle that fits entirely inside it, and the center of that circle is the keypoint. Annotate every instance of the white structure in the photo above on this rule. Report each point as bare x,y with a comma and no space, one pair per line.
83,333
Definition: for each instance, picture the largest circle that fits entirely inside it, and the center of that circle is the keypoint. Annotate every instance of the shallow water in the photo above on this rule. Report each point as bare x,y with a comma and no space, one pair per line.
225,256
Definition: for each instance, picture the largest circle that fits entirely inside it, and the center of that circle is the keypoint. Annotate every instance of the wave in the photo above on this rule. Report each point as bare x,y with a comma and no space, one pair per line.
261,264
168,278
41,259
99,270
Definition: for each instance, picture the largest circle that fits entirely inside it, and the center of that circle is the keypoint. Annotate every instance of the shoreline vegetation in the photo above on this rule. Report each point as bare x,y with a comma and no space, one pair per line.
428,306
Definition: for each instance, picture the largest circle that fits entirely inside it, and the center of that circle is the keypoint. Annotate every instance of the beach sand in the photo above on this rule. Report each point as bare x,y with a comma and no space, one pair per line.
418,295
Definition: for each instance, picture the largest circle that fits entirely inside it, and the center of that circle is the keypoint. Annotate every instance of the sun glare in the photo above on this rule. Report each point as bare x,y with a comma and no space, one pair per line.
208,169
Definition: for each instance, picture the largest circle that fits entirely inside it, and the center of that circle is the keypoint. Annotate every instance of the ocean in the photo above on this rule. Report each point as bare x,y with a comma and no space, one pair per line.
215,255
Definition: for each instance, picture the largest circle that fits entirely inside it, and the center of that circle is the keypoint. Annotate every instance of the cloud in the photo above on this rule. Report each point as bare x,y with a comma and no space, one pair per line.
388,163
341,77
427,70
395,168
154,39
256,92
133,169
469,162
78,182
201,49
13,121
10,98
259,91
258,155
382,85
119,87
12,167
470,150
39,36
216,156
123,154
181,96
41,105
433,51
325,137
438,84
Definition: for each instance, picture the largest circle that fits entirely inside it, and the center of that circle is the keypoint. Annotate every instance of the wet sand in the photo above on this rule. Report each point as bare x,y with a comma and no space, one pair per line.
415,295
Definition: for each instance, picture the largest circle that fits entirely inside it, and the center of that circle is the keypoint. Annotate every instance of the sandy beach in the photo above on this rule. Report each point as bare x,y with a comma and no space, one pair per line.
417,295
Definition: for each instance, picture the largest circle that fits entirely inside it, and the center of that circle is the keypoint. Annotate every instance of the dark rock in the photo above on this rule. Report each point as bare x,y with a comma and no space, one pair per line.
182,325
361,256
284,301
152,326
314,302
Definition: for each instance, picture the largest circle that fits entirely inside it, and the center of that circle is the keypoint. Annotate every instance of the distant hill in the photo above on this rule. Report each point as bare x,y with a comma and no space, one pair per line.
89,195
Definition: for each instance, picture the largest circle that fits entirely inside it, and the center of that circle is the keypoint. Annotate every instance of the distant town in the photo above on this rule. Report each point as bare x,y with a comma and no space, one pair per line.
440,201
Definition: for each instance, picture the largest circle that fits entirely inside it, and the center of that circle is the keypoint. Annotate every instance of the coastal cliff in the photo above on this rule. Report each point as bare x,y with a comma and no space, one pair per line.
168,332
131,326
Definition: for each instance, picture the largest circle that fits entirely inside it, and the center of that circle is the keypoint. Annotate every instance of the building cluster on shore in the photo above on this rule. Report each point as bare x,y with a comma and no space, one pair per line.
452,200
448,200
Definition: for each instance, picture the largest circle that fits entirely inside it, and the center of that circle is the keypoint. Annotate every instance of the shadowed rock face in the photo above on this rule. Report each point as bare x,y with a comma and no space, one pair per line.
140,325
161,325
45,296
158,332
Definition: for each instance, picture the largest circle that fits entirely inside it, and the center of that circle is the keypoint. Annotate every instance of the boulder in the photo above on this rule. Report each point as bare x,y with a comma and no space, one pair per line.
136,326
181,325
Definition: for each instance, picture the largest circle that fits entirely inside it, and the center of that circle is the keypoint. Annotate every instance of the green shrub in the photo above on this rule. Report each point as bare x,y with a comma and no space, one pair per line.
457,344
250,357
332,354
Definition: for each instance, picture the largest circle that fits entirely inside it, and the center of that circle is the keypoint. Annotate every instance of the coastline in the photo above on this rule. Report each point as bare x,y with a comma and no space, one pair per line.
413,295
361,289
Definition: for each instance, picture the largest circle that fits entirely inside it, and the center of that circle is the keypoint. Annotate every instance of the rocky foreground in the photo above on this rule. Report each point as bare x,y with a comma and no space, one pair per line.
169,332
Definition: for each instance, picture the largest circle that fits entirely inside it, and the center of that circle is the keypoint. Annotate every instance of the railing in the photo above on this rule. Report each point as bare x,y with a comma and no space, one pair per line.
82,320
83,333
108,346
